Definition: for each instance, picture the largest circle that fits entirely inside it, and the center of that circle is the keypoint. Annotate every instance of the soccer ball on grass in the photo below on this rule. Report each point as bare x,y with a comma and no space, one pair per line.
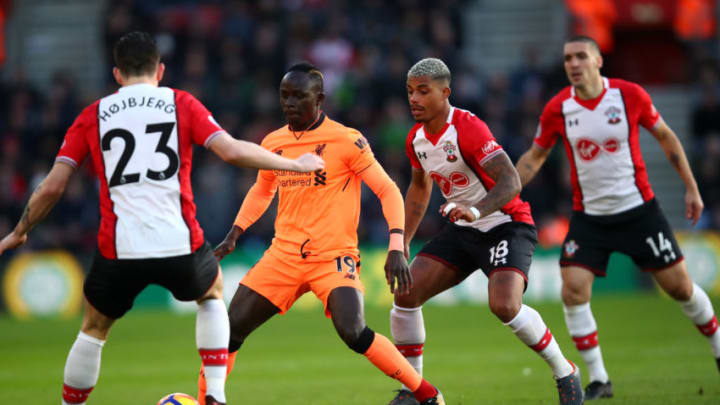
177,398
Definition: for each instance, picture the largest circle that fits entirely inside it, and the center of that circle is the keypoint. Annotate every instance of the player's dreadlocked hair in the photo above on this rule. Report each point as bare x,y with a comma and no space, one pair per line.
312,71
136,54
586,39
433,68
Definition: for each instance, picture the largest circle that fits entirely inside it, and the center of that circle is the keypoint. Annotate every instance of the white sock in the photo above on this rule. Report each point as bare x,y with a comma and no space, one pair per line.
529,327
82,369
583,330
699,309
408,332
212,334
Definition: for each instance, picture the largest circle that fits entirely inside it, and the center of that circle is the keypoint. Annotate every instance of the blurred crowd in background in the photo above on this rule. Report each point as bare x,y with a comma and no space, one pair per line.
232,54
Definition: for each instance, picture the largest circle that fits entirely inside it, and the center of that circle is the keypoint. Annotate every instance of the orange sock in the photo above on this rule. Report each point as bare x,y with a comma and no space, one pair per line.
202,385
385,356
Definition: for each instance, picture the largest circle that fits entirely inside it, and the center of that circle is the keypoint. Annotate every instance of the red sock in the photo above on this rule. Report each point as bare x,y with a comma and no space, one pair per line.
425,391
73,395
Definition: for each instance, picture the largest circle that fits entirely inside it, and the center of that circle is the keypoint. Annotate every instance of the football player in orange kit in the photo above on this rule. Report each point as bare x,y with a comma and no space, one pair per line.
315,247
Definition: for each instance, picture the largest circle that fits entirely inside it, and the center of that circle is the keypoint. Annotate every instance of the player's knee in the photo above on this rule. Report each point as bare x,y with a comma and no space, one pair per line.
361,340
680,291
408,301
505,310
574,294
350,332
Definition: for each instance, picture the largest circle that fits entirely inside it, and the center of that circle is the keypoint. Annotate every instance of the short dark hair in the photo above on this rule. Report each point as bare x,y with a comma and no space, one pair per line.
584,38
136,54
312,71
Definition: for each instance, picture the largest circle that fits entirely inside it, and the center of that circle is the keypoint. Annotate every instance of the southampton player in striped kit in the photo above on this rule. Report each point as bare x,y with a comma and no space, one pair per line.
490,228
140,140
614,208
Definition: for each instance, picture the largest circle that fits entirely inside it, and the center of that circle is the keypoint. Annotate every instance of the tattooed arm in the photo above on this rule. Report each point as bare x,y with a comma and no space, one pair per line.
530,162
507,186
675,154
416,202
41,202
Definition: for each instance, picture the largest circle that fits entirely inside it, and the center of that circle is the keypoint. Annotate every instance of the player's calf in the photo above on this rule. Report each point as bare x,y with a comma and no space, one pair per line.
212,331
384,355
529,327
700,311
82,369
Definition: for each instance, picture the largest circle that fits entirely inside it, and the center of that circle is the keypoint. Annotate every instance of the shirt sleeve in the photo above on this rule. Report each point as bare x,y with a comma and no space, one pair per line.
359,155
550,126
648,115
203,126
389,194
257,200
477,141
75,148
410,150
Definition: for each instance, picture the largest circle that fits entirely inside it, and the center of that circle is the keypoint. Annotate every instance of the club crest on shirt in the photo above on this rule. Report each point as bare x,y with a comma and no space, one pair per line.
570,248
613,114
449,149
320,149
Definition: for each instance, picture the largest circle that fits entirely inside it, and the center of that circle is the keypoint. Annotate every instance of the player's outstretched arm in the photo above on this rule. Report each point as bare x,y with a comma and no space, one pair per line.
530,163
249,154
675,154
396,266
47,193
228,244
507,186
416,203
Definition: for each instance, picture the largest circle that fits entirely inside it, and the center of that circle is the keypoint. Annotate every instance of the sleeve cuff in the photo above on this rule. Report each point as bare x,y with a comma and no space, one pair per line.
490,156
211,138
67,160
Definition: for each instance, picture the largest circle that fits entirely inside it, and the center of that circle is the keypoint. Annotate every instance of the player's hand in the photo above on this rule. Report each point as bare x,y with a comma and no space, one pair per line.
309,162
11,241
406,251
397,270
693,206
228,244
455,212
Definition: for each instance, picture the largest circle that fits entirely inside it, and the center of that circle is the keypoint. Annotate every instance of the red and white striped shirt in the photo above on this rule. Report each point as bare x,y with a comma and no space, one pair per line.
140,140
601,138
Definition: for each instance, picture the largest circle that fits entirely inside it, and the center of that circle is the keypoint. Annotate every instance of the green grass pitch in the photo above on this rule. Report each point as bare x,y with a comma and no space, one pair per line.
653,354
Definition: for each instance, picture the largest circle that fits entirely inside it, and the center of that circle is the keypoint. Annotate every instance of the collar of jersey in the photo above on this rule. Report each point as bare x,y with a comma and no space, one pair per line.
135,86
434,138
593,102
314,126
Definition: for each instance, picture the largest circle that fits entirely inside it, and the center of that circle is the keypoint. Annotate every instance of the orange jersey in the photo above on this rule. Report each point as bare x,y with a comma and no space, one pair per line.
318,213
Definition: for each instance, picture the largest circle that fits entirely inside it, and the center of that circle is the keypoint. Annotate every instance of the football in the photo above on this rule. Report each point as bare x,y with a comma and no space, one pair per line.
177,398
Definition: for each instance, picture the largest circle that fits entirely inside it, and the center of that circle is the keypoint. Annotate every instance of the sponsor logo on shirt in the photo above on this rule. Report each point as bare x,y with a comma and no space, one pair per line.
449,149
490,146
588,149
613,114
361,143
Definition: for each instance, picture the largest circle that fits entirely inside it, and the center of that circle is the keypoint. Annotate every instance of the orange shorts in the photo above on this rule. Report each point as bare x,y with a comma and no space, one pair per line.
282,278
